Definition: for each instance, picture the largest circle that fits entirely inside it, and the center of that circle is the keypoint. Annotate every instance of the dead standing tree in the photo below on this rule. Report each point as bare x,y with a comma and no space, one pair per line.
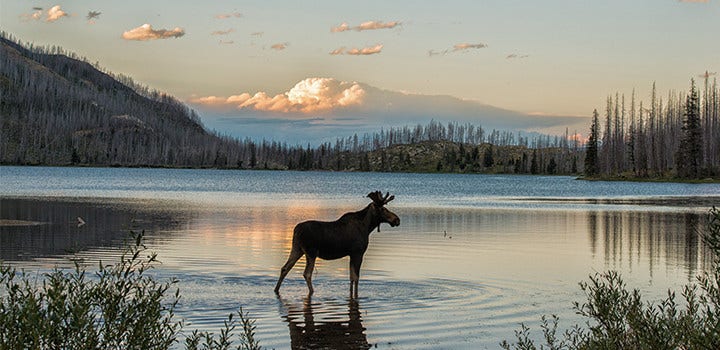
347,236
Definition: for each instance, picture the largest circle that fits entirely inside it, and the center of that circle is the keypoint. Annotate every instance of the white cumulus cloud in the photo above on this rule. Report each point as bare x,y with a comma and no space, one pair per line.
311,95
55,13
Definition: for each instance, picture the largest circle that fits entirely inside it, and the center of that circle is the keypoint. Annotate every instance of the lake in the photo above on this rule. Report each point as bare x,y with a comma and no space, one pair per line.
473,257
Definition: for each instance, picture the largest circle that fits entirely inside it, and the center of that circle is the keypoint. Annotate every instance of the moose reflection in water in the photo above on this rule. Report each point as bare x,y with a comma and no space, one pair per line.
347,236
311,331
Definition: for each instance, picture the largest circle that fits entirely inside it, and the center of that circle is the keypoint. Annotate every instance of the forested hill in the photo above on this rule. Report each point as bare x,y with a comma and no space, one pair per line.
57,109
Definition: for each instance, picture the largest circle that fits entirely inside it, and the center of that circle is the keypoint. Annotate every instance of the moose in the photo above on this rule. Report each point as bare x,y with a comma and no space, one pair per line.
347,236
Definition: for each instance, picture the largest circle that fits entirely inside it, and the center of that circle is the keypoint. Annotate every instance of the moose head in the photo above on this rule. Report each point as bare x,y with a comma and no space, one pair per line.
383,213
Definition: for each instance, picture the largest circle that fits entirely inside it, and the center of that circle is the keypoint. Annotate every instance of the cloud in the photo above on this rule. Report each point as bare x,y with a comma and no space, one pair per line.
229,15
365,51
515,56
223,32
279,46
52,15
93,15
369,25
311,95
36,15
341,28
462,47
332,107
338,51
467,46
257,34
146,32
55,13
358,52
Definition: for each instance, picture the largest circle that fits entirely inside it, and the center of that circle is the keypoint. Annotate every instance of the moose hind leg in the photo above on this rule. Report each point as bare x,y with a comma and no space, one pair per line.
295,254
309,266
355,263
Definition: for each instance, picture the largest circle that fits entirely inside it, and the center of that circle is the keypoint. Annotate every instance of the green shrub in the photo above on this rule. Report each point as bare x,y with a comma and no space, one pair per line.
120,307
617,318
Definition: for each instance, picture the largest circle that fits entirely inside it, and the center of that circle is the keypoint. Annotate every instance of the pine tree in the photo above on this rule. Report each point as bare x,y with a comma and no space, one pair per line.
488,160
591,155
534,163
689,158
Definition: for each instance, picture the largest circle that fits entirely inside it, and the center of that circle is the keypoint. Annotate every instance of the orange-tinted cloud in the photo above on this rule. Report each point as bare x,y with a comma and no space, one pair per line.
338,51
146,32
312,95
279,46
358,52
229,15
223,32
462,47
369,25
467,46
341,28
36,15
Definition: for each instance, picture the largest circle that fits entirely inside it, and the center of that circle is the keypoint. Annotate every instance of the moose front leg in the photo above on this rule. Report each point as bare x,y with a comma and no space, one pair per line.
295,254
355,263
309,266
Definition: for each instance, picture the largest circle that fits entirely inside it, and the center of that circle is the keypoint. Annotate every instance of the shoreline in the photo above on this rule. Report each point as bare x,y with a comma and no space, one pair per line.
708,180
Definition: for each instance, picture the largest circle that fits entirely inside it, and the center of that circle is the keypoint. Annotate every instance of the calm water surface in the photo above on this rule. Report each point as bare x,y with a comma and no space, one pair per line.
474,256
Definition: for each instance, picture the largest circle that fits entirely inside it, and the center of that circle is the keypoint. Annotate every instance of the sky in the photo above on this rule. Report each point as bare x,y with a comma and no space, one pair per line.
304,71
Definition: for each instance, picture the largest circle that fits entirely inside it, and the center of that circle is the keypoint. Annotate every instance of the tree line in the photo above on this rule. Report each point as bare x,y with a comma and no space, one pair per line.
678,136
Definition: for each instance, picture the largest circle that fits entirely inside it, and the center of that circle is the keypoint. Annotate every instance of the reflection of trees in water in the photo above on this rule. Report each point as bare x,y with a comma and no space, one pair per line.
313,327
657,237
107,224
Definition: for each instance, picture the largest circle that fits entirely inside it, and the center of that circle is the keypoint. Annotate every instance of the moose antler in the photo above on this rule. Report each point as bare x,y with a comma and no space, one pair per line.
378,198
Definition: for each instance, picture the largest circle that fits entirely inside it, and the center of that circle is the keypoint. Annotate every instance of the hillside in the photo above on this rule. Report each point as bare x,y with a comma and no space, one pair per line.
60,110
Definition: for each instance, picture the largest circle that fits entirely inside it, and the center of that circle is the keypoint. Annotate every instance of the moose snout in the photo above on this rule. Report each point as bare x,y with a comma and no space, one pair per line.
395,222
